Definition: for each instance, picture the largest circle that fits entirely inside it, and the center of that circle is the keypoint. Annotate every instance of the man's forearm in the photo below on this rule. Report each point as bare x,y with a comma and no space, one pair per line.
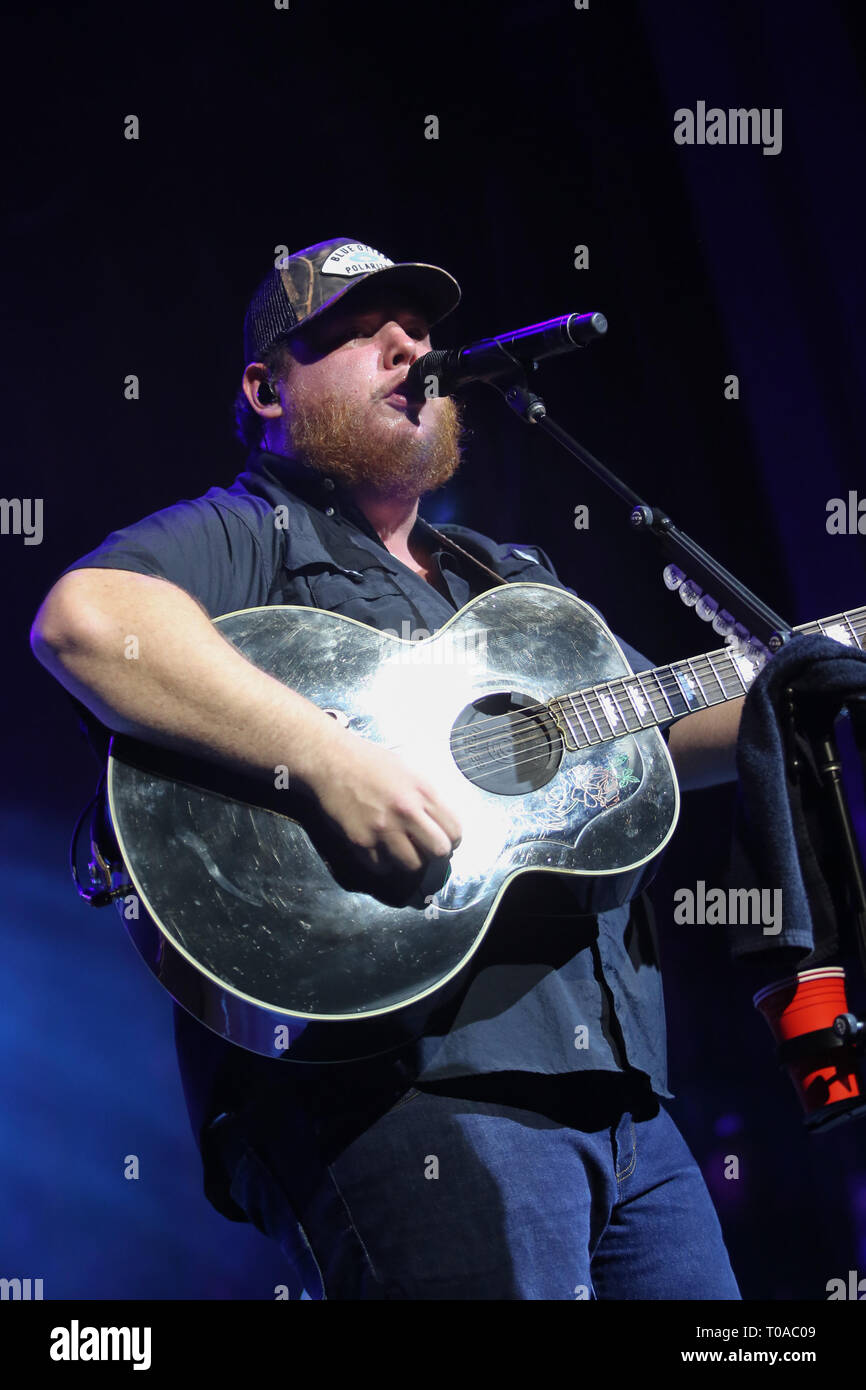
145,659
703,745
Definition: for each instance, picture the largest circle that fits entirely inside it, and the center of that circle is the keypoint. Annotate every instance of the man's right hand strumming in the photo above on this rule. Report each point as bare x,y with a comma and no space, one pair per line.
390,813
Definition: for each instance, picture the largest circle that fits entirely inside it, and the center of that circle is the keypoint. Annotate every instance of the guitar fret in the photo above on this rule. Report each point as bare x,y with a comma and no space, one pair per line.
628,708
634,707
561,703
850,627
836,631
639,704
602,714
579,720
653,709
663,691
613,701
676,699
719,680
592,716
698,680
736,670
686,687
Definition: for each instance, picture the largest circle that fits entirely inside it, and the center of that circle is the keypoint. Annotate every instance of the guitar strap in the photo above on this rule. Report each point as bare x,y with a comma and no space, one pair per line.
452,545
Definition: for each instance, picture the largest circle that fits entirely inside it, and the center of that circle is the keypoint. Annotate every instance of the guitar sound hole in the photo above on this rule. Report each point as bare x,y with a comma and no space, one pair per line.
506,743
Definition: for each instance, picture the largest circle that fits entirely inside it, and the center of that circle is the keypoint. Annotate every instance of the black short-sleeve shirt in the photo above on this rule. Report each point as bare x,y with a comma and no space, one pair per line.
284,534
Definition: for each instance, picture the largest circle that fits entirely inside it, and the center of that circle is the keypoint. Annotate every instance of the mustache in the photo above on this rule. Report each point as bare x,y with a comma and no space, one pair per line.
390,391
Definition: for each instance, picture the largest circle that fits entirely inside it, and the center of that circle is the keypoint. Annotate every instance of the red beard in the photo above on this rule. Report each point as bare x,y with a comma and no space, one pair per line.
327,437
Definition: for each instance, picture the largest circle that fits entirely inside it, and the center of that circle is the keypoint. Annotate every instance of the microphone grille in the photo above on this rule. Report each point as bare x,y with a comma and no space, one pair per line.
431,364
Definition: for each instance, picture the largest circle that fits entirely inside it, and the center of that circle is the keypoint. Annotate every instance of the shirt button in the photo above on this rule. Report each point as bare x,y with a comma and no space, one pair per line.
329,511
328,483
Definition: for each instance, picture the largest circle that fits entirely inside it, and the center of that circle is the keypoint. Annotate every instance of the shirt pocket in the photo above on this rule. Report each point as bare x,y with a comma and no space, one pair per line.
371,595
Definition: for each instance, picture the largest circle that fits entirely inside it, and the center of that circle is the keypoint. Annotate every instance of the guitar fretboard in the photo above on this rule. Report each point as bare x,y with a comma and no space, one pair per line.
630,703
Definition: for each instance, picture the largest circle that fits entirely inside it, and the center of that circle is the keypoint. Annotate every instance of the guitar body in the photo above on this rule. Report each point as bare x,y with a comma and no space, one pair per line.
256,918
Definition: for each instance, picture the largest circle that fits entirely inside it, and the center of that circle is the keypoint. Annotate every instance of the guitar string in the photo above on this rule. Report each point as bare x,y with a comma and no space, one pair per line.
481,738
598,691
703,662
526,744
496,762
492,732
597,716
661,675
593,693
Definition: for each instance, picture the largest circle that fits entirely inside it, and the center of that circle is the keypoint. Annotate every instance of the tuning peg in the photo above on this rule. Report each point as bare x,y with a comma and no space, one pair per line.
707,607
739,637
757,649
690,592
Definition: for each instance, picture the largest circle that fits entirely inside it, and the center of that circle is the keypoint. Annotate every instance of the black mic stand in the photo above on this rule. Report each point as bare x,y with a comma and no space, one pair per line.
644,517
511,383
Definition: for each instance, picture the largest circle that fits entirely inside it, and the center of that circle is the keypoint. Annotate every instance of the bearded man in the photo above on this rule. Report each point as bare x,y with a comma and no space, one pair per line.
492,1158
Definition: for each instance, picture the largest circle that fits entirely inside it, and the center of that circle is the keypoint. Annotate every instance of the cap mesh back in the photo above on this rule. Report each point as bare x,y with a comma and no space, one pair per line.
269,315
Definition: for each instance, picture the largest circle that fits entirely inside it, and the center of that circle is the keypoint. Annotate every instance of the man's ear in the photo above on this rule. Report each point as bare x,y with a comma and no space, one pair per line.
263,396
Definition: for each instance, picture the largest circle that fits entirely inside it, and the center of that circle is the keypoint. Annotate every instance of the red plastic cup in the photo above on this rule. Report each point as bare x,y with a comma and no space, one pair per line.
806,1001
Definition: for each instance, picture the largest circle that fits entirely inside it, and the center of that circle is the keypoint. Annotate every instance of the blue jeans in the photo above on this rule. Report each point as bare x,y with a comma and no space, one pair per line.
450,1196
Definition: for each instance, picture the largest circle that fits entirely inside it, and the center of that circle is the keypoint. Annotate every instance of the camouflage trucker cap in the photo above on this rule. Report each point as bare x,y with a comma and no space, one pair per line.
307,284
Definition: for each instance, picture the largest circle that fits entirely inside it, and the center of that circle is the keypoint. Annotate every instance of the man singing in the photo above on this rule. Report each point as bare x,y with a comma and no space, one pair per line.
491,1158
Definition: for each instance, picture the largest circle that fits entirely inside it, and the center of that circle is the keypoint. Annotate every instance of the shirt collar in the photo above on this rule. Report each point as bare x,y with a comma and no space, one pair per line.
327,495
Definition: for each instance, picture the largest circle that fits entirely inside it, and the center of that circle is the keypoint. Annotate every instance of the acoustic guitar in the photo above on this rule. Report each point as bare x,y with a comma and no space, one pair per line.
250,907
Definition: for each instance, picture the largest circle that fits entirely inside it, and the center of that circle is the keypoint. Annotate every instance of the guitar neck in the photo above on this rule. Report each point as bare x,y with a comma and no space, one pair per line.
631,703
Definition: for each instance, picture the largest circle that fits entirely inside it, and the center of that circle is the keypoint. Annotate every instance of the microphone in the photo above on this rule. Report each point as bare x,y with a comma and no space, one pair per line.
492,358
